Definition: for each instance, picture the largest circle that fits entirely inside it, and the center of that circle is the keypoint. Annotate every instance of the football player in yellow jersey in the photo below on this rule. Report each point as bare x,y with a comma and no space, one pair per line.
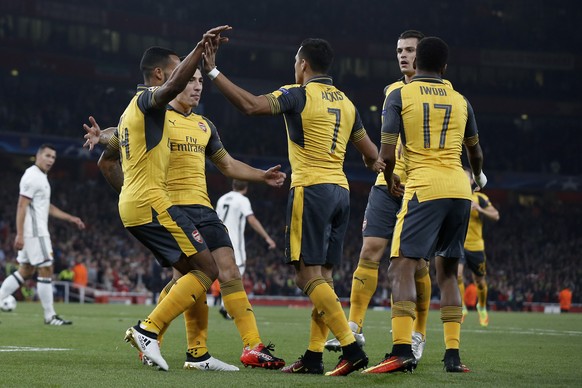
320,121
378,226
474,250
433,122
190,145
144,204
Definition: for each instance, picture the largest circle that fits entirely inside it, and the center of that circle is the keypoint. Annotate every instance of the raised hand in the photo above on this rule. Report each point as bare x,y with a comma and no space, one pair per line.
93,134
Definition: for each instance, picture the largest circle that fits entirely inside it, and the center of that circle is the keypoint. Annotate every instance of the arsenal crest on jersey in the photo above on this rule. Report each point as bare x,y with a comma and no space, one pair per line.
197,236
202,126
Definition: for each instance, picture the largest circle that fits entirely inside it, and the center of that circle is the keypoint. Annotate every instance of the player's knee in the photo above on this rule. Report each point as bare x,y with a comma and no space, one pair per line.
227,273
373,249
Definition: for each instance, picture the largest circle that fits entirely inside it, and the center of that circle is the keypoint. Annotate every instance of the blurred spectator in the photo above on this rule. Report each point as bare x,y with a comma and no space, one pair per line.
565,298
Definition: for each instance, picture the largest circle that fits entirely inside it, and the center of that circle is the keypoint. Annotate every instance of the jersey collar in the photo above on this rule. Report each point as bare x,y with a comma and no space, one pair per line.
425,78
322,79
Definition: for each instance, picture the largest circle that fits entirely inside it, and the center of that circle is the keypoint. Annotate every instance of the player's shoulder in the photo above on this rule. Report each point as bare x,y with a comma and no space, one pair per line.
394,85
33,173
286,89
482,195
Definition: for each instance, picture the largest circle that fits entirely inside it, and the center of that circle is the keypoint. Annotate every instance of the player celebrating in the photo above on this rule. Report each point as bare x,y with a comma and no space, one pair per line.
433,121
320,121
190,144
378,226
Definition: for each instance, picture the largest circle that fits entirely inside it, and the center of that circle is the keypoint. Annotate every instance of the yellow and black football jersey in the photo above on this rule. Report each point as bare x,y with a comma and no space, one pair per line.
190,143
145,153
433,121
320,120
474,241
399,167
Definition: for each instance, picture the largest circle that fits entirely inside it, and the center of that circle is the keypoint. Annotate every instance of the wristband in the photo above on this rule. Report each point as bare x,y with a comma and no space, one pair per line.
481,179
212,74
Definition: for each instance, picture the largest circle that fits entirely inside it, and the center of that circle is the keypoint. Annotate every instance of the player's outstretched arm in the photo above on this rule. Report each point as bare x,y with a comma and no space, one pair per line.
246,102
179,78
236,169
62,215
258,227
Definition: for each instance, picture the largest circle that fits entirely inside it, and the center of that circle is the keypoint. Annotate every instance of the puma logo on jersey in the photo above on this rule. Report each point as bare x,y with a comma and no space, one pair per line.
172,121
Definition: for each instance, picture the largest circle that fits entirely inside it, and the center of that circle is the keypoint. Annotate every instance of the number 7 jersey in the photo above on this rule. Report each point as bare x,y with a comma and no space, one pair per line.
320,121
433,121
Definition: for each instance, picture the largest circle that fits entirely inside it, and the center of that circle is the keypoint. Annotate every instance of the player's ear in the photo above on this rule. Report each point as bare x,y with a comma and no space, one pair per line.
444,70
414,64
159,74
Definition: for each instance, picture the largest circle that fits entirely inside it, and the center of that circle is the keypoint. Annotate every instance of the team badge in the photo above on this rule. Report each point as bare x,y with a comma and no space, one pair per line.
197,236
202,126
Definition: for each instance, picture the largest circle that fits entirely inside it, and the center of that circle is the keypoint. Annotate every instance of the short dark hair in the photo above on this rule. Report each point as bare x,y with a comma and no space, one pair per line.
238,185
412,34
46,145
432,54
154,57
318,53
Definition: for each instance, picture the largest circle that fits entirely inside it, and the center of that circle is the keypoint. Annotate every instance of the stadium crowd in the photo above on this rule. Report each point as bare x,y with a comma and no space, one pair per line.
529,259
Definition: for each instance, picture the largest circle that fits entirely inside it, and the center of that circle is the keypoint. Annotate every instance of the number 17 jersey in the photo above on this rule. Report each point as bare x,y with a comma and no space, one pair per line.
433,121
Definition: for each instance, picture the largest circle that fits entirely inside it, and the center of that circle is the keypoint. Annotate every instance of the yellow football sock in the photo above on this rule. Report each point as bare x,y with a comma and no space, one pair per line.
451,317
403,315
364,283
423,293
196,320
482,294
184,293
239,308
318,331
161,297
461,282
329,309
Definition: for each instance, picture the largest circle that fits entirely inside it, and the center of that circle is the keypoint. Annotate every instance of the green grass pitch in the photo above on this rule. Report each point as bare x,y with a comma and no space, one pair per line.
517,349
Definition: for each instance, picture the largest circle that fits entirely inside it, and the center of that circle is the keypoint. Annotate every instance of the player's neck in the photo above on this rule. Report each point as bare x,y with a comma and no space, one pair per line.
431,74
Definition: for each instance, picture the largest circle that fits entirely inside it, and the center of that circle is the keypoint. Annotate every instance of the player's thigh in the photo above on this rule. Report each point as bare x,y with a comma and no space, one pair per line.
476,261
417,228
317,218
37,252
380,213
170,236
208,223
451,237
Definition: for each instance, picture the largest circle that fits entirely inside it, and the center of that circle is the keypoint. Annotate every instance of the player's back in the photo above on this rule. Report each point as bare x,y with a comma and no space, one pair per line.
318,138
434,118
233,208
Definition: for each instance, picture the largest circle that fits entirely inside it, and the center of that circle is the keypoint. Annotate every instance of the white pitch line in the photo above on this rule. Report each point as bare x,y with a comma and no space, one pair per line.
29,349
